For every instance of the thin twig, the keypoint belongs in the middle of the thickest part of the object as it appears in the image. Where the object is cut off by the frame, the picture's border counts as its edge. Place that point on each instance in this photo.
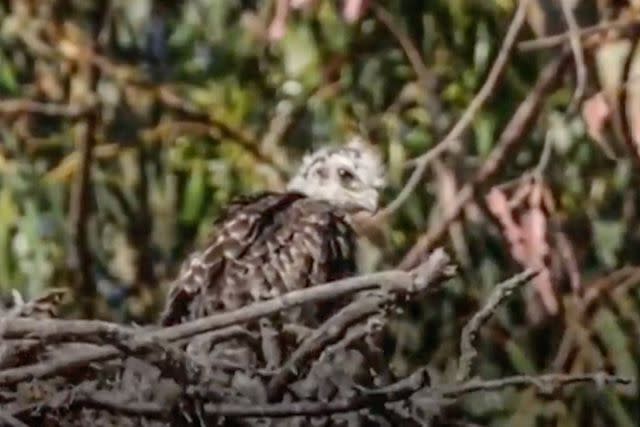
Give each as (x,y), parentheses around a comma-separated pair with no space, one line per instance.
(142,225)
(543,383)
(468,351)
(418,380)
(209,339)
(578,54)
(80,211)
(558,39)
(543,162)
(110,402)
(54,330)
(511,136)
(427,80)
(354,334)
(405,42)
(27,106)
(488,88)
(276,131)
(170,98)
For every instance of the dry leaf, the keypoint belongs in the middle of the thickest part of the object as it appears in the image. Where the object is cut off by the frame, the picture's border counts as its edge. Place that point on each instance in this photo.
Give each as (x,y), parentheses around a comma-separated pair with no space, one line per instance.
(632,107)
(527,235)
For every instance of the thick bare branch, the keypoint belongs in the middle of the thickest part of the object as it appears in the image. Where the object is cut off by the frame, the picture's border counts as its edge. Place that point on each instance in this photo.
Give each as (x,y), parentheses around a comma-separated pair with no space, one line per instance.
(331,331)
(543,383)
(393,281)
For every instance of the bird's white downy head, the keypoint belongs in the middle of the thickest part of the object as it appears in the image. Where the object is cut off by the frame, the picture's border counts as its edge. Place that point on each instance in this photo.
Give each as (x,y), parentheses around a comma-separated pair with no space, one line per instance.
(349,176)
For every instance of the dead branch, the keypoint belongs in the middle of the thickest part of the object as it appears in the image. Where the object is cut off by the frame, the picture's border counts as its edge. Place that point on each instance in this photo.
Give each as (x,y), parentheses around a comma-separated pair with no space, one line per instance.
(394,282)
(578,54)
(468,351)
(332,330)
(12,107)
(559,39)
(546,384)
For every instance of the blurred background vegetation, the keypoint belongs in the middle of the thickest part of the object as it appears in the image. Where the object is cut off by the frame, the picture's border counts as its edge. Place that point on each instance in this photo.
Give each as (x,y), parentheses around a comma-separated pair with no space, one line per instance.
(125,127)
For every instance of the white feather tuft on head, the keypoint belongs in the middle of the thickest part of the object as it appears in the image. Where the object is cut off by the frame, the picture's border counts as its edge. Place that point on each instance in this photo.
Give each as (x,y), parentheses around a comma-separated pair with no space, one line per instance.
(350,175)
(367,157)
(364,155)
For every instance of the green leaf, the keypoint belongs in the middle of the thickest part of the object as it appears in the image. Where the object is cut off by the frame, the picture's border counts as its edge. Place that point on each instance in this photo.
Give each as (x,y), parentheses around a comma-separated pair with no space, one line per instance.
(608,237)
(615,342)
(617,411)
(194,195)
(300,55)
(335,32)
(8,215)
(519,358)
(484,127)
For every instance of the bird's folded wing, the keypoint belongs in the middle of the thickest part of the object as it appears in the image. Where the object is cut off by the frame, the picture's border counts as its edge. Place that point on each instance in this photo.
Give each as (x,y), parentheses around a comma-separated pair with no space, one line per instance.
(234,233)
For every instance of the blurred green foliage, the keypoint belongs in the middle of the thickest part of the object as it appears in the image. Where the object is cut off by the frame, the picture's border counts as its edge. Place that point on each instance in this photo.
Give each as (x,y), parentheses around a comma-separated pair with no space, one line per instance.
(196,105)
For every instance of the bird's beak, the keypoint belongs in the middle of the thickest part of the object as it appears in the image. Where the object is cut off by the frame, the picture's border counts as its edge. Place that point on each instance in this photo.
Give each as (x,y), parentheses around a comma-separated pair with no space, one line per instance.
(370,204)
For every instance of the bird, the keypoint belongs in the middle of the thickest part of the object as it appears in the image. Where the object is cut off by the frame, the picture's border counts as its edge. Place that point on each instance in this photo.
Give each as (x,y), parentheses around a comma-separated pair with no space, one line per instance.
(266,244)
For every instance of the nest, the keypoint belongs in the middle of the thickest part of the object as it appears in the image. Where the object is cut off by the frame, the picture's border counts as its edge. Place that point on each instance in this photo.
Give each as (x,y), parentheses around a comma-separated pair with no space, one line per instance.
(243,367)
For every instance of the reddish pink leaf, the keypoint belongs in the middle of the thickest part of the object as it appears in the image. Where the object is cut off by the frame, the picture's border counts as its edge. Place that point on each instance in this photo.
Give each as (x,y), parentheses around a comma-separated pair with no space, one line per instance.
(278,26)
(353,10)
(499,206)
(301,4)
(595,113)
(534,226)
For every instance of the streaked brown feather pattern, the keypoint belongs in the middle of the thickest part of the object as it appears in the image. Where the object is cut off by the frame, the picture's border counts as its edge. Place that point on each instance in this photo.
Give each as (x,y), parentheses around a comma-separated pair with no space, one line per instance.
(263,246)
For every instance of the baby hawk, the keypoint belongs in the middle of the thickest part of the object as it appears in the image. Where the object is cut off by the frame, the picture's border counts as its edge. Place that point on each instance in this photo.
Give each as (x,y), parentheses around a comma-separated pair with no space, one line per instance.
(268,244)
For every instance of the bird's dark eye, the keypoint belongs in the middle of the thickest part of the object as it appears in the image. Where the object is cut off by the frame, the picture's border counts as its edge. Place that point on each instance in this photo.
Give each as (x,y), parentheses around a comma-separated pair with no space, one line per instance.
(321,173)
(346,176)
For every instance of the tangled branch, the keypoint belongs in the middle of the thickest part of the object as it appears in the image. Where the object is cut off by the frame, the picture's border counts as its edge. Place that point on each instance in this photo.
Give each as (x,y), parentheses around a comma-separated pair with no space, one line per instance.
(166,379)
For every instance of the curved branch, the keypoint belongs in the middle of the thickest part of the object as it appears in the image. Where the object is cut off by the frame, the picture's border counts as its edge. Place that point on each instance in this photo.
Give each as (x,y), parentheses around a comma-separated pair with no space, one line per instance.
(488,88)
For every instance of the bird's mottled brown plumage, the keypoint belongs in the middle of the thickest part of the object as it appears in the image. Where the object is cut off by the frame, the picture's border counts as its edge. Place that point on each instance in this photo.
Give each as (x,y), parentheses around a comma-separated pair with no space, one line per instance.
(263,246)
(272,243)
